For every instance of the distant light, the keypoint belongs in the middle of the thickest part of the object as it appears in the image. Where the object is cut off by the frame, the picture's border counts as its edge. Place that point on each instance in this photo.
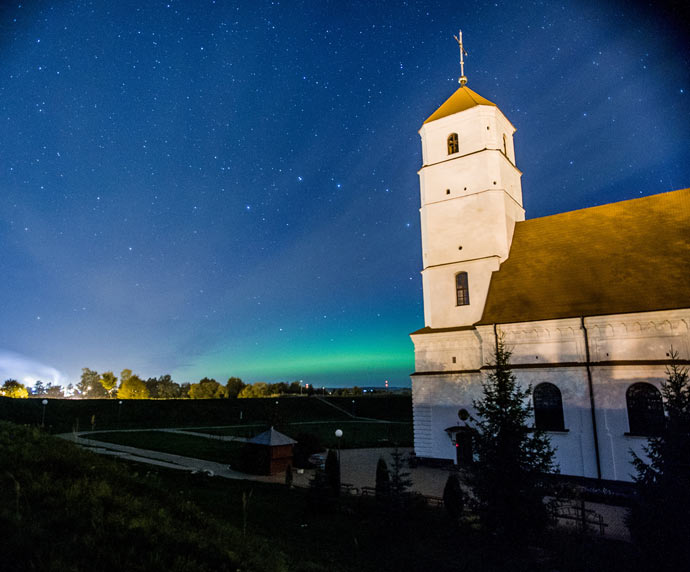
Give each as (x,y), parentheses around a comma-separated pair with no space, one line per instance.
(338,433)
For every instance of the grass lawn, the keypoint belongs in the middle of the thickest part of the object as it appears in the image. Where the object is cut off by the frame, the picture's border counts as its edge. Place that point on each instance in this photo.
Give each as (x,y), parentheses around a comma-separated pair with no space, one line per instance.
(356,434)
(226,452)
(65,415)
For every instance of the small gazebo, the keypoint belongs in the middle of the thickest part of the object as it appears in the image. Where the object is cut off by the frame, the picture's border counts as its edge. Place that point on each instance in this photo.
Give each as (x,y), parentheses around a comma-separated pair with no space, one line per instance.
(270,452)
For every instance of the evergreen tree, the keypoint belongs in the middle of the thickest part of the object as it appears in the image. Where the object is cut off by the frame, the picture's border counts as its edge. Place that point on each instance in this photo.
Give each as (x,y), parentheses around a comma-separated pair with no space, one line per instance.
(400,481)
(453,498)
(383,480)
(333,472)
(659,521)
(511,457)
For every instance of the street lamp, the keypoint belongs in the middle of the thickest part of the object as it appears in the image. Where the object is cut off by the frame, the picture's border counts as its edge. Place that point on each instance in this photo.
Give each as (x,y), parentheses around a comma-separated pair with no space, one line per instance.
(119,410)
(338,434)
(43,417)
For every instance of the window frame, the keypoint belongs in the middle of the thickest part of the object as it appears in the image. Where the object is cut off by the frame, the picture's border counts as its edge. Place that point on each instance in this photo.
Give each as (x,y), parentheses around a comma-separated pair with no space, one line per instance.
(462,289)
(453,144)
(646,415)
(548,408)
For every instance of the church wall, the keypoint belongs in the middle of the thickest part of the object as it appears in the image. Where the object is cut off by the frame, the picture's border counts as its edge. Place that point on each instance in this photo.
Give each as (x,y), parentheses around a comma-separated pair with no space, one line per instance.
(553,351)
(467,175)
(471,126)
(610,386)
(435,403)
(481,233)
(440,298)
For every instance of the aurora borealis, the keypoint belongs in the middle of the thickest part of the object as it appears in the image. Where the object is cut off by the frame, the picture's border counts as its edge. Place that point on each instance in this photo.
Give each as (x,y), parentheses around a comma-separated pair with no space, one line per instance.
(229,188)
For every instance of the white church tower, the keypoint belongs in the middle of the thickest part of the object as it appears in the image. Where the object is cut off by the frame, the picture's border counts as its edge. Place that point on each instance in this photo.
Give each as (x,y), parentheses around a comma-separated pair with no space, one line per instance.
(471,198)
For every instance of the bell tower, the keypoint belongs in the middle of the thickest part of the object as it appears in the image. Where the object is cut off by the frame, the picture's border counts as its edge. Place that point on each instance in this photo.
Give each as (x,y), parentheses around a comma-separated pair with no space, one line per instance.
(471,198)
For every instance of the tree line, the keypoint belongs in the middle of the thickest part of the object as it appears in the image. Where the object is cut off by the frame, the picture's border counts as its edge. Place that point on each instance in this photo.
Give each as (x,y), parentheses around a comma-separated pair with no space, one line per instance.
(94,385)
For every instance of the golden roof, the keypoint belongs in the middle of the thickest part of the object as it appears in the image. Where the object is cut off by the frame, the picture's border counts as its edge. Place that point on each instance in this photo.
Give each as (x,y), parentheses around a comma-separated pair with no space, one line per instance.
(464,98)
(630,256)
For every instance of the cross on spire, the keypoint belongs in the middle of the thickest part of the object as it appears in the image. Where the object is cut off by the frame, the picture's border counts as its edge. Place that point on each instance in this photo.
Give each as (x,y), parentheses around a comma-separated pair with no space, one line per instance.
(458,39)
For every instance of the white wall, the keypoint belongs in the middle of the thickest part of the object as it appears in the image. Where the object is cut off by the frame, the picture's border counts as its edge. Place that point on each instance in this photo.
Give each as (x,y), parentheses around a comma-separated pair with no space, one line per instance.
(552,351)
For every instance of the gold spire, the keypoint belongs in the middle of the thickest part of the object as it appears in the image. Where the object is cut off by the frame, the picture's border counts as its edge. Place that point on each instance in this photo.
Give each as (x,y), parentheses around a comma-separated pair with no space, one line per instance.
(458,39)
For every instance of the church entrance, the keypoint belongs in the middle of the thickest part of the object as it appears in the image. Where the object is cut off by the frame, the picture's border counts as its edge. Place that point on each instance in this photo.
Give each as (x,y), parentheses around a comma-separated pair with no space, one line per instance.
(463,447)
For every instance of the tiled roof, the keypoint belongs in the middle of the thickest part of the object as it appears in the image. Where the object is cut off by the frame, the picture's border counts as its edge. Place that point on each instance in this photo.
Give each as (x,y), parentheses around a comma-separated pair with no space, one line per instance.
(630,256)
(272,438)
(462,99)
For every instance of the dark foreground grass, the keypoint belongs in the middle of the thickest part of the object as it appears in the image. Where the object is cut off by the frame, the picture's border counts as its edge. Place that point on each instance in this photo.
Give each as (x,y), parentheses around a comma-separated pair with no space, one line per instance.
(357,533)
(226,452)
(356,434)
(65,509)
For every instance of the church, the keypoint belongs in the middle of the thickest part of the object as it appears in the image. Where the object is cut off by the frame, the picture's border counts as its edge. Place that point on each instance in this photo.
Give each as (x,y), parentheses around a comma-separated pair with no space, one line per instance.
(590,302)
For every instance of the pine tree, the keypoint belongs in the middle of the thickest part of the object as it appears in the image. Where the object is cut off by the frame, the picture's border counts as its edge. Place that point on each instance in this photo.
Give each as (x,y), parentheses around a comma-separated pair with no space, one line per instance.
(511,457)
(453,498)
(383,480)
(333,472)
(659,521)
(400,481)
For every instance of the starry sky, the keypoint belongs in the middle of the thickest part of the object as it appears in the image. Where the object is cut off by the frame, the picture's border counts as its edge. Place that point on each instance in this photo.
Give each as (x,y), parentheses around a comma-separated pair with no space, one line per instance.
(211,188)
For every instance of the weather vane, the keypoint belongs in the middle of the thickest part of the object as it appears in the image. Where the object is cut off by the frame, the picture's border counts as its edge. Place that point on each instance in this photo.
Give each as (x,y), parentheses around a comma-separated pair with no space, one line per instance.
(458,39)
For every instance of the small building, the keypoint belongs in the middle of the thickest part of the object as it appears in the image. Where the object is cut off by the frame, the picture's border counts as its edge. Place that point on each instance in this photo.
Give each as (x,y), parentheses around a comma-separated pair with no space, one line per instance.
(269,453)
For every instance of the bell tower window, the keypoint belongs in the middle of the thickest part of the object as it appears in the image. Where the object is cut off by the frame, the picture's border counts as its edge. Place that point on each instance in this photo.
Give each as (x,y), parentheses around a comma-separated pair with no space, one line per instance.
(462,289)
(452,143)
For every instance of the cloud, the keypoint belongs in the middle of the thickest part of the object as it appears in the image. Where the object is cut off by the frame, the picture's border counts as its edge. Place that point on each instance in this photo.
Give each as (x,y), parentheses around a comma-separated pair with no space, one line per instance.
(28,370)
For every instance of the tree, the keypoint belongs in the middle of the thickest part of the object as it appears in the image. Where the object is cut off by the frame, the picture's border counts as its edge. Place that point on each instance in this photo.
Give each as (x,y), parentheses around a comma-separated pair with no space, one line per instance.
(234,386)
(132,388)
(400,481)
(54,391)
(39,388)
(89,385)
(453,499)
(207,389)
(333,472)
(510,456)
(258,389)
(12,388)
(109,382)
(658,519)
(167,388)
(383,479)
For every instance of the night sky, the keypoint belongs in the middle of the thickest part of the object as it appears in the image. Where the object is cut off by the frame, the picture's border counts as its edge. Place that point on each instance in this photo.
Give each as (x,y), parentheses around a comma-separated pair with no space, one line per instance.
(230,188)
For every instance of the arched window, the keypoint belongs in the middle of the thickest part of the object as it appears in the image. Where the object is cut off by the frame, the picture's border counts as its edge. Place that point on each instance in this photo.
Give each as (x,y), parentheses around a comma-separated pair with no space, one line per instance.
(645,409)
(548,407)
(462,289)
(452,143)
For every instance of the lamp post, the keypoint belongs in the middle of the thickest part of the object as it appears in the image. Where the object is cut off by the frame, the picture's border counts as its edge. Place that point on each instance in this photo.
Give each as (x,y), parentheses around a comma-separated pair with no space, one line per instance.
(353,407)
(43,417)
(300,386)
(119,410)
(339,434)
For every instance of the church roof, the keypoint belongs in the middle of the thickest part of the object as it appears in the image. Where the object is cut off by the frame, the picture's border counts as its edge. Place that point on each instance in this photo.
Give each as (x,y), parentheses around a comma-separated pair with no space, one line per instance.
(464,98)
(630,256)
(272,438)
